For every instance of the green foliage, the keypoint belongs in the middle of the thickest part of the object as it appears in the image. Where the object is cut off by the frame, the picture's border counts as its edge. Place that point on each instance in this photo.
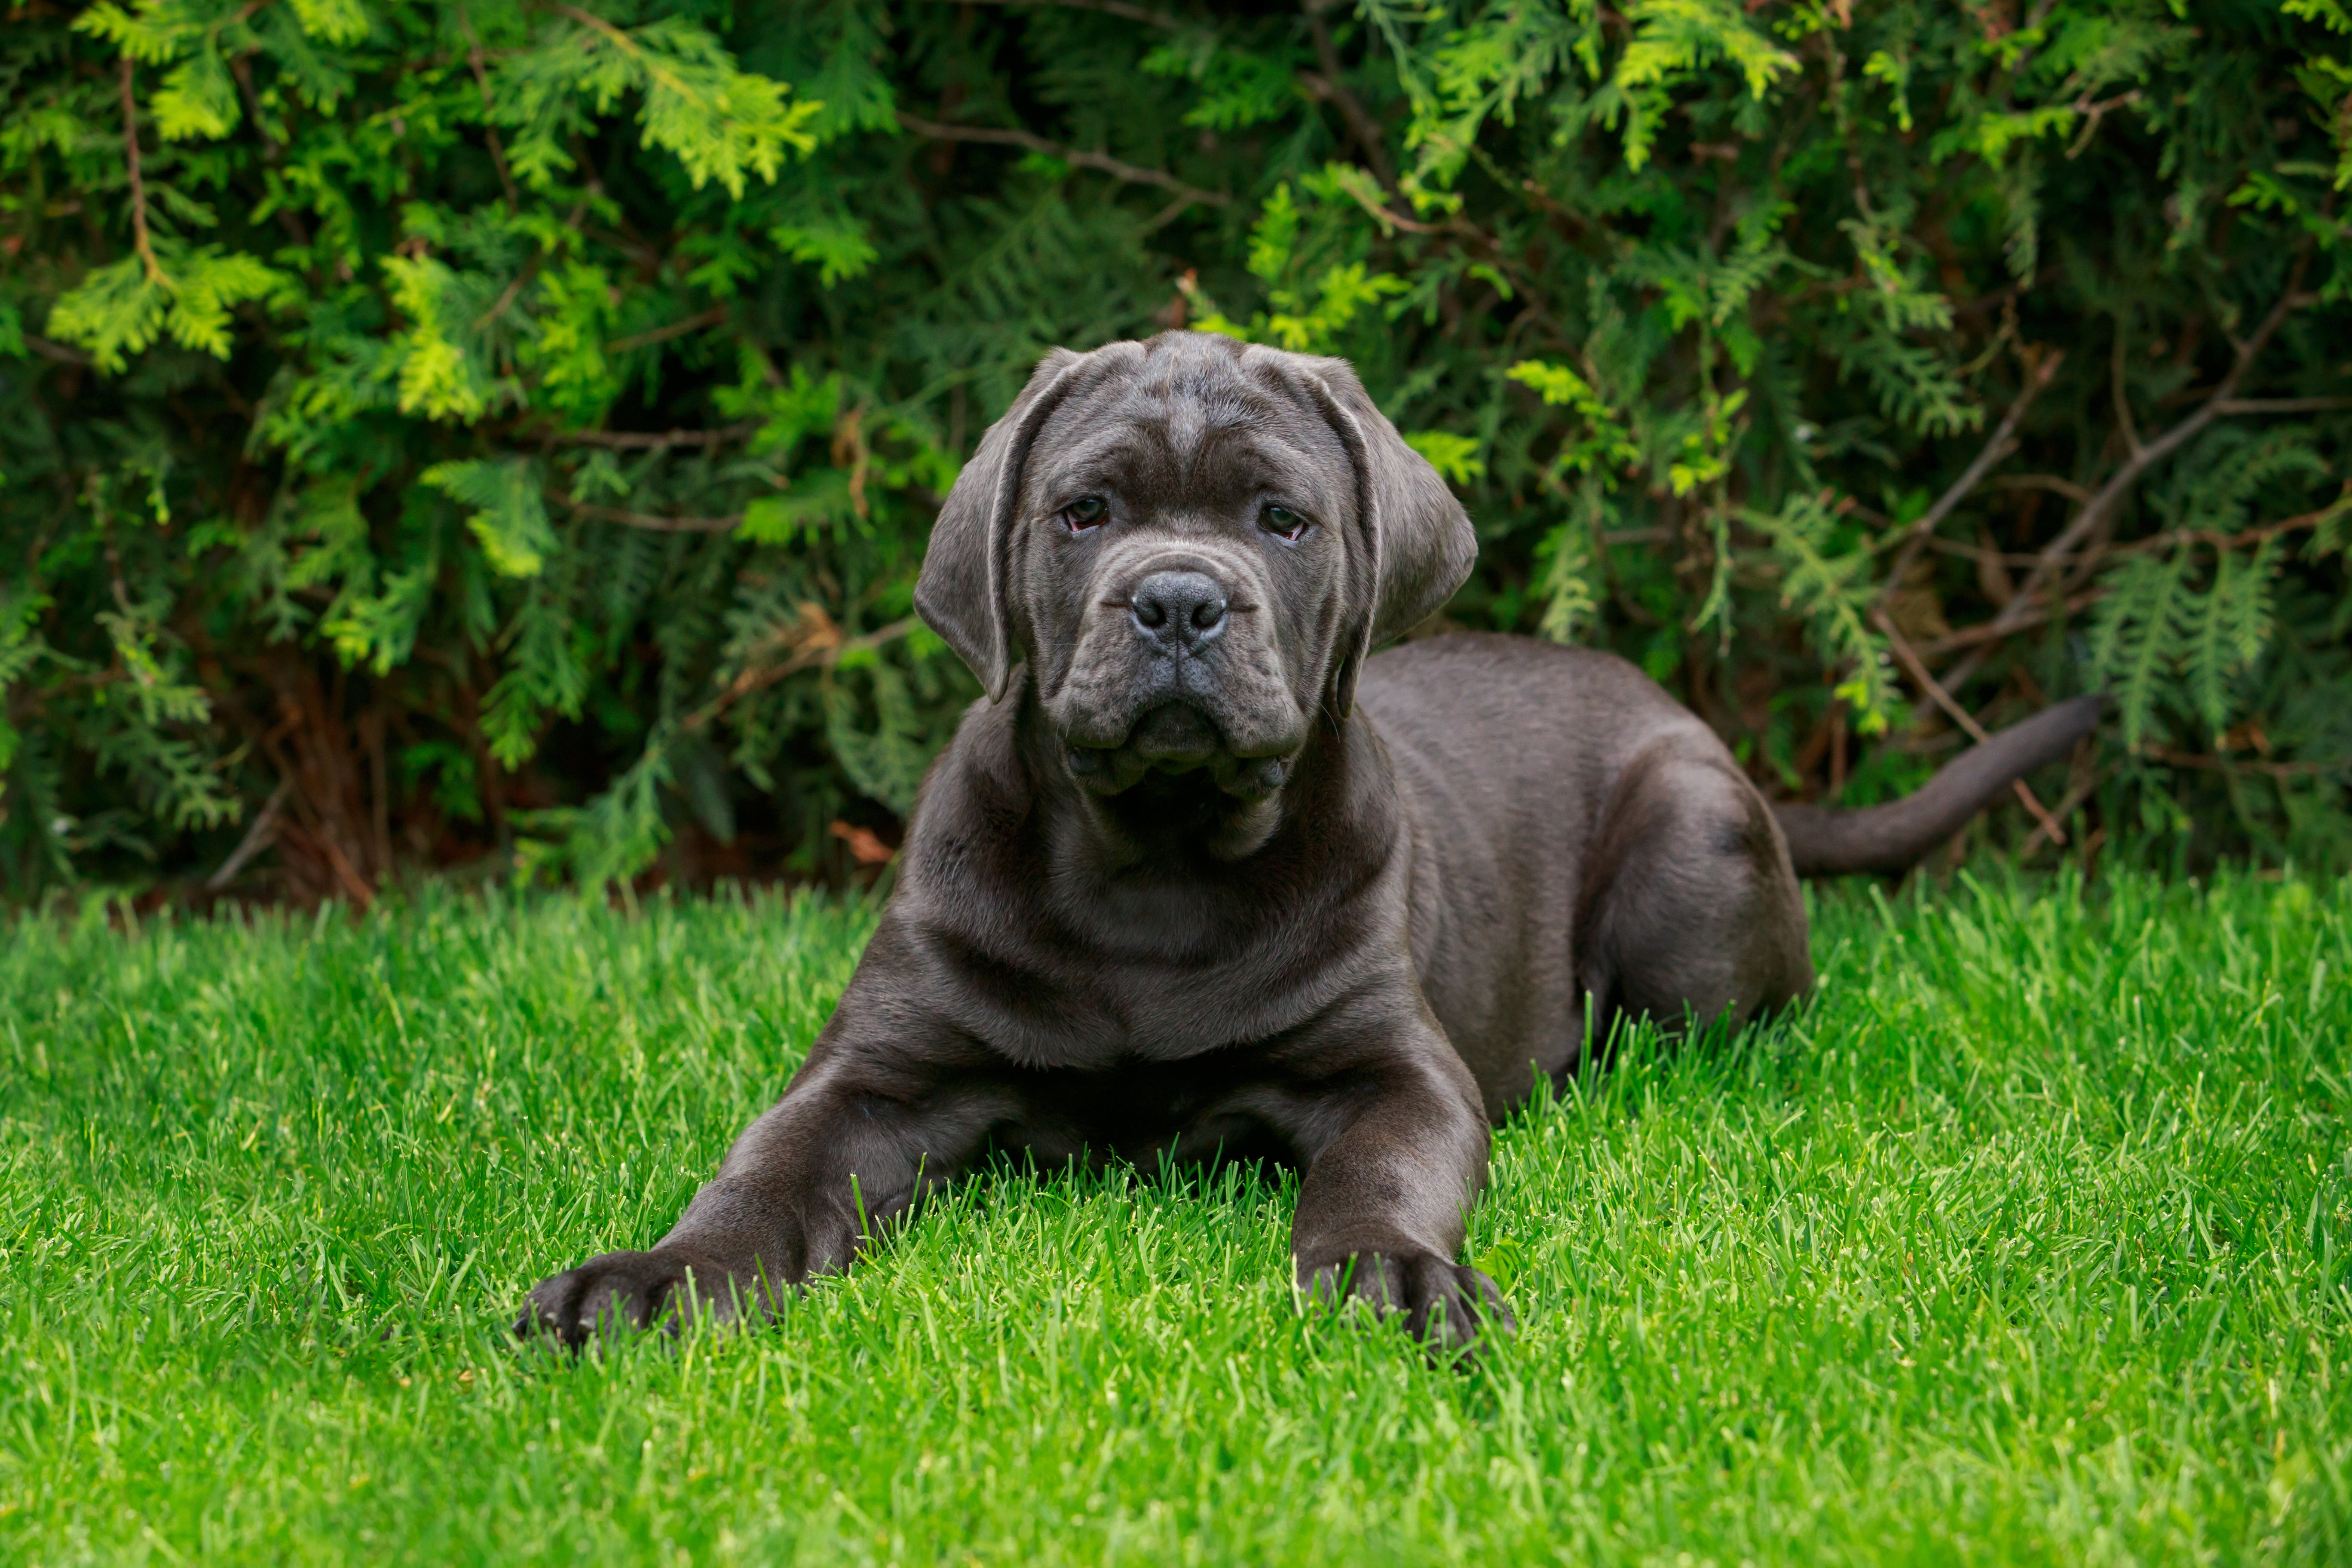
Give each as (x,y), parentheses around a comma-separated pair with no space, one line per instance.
(723,123)
(514,427)
(186,295)
(512,524)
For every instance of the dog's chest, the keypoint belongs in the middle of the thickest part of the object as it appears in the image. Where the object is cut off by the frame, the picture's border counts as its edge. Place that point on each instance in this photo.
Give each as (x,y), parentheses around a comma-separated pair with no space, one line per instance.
(1142,1112)
(1097,1017)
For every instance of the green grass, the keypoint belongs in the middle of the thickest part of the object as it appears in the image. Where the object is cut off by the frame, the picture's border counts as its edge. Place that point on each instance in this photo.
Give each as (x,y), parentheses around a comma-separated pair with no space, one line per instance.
(2025,1243)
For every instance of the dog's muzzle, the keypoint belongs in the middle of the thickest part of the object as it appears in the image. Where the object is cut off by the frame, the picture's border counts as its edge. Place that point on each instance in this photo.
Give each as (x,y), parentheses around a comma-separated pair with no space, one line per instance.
(1180,684)
(1176,738)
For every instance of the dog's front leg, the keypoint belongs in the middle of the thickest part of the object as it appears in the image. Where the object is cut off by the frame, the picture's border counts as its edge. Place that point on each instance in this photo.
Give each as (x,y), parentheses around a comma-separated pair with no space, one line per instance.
(1396,1152)
(844,1150)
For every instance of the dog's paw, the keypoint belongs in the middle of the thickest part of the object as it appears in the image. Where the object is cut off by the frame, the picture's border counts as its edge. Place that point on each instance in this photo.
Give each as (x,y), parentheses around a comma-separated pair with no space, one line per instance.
(620,1290)
(1450,1307)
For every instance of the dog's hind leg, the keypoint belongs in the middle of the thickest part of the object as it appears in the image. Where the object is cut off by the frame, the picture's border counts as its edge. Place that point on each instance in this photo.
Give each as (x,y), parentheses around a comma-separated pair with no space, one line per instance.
(1692,912)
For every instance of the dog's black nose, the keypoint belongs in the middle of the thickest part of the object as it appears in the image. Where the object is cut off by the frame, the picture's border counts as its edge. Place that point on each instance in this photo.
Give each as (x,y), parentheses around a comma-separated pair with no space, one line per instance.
(1178,607)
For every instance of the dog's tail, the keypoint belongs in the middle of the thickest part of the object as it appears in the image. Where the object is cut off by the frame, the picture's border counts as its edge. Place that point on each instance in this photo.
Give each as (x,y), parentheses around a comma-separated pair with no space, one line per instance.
(1893,837)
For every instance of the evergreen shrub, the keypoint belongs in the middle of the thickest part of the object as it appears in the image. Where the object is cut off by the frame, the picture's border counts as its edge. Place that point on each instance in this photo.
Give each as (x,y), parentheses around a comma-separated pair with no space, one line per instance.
(505,433)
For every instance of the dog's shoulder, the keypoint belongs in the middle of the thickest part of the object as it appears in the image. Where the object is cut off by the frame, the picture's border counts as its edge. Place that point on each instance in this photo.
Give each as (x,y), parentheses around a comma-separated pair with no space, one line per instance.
(975,799)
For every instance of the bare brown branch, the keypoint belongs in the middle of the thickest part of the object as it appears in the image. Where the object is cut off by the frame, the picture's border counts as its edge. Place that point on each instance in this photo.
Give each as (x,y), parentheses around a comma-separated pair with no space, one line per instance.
(2103,504)
(651,522)
(1918,671)
(2079,791)
(2215,764)
(655,441)
(2112,493)
(1144,14)
(512,292)
(257,839)
(1131,173)
(2285,404)
(713,317)
(490,132)
(2238,540)
(140,240)
(57,351)
(2165,540)
(1993,632)
(2078,494)
(2003,444)
(2123,394)
(821,643)
(1331,88)
(2093,112)
(1388,219)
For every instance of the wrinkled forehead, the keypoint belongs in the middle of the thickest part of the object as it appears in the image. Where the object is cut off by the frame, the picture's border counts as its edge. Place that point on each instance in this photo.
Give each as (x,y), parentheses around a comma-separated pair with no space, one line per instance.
(1192,430)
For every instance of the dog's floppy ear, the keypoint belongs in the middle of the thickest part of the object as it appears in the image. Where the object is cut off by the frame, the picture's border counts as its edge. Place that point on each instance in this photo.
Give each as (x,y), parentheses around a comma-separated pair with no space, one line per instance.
(962,590)
(1419,543)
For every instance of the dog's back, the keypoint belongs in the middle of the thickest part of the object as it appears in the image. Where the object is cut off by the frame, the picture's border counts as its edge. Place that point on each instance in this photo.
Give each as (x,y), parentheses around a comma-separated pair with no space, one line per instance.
(1570,717)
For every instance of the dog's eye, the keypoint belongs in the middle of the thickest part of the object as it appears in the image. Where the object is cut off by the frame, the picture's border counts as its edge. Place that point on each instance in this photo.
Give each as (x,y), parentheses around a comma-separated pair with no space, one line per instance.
(1085,513)
(1283,522)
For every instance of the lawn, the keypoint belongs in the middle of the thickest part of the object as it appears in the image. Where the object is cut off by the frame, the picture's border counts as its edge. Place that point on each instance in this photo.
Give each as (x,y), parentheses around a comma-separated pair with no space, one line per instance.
(2025,1243)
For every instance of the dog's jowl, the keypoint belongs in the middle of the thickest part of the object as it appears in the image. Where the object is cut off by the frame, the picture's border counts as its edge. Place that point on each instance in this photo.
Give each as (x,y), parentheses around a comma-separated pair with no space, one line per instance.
(1202,872)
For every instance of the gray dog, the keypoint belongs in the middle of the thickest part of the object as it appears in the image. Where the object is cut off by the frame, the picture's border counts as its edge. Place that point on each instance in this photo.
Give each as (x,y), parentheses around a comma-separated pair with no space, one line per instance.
(1202,875)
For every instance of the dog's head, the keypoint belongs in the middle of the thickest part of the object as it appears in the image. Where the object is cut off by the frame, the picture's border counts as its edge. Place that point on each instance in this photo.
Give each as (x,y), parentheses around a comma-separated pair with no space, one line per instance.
(1196,542)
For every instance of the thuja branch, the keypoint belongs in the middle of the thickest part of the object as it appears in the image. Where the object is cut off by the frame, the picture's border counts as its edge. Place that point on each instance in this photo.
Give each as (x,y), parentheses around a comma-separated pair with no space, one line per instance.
(629,46)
